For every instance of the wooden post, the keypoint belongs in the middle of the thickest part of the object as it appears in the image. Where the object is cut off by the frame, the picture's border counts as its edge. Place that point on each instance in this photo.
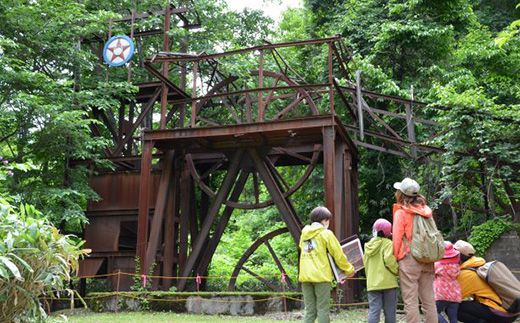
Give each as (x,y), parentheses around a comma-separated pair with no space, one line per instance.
(359,105)
(194,95)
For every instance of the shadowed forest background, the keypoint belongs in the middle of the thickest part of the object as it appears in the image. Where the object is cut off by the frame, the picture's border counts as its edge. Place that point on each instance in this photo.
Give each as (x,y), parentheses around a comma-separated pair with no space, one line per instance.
(460,54)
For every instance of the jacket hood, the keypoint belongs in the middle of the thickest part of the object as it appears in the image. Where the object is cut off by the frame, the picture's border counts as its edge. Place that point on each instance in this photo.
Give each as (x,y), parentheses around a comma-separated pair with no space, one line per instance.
(372,247)
(473,262)
(310,231)
(422,210)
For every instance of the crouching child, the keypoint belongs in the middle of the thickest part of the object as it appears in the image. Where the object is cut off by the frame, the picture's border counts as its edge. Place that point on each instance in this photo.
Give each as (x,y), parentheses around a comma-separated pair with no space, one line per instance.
(315,272)
(382,270)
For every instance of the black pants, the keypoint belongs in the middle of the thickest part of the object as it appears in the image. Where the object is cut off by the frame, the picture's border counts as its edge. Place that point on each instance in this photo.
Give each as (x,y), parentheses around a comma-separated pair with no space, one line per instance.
(475,312)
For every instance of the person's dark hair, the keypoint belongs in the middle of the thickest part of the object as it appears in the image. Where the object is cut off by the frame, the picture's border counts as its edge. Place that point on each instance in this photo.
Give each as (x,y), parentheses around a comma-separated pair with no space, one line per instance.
(464,258)
(406,200)
(381,234)
(320,213)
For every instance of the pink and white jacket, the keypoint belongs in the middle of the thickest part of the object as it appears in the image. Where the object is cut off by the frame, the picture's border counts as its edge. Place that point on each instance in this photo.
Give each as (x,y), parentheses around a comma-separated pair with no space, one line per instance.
(445,284)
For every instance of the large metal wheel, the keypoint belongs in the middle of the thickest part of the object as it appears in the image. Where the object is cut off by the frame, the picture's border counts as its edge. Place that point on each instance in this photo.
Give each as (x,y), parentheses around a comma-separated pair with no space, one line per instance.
(240,266)
(254,186)
(225,105)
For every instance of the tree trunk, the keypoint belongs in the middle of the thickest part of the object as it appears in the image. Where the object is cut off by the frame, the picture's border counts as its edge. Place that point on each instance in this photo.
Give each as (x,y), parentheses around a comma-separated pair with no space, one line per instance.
(515,203)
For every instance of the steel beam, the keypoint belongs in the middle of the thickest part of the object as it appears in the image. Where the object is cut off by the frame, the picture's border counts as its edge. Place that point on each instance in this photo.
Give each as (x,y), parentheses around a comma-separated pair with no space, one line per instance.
(185,212)
(160,207)
(169,235)
(222,224)
(144,191)
(329,146)
(164,56)
(144,112)
(222,194)
(286,210)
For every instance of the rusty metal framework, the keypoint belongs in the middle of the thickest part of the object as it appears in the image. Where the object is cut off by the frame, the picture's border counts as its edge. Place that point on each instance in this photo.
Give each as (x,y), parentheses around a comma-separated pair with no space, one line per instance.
(223,139)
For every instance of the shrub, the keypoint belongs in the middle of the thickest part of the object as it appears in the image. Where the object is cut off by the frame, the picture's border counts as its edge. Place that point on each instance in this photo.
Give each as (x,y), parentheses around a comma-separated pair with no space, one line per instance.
(482,236)
(35,260)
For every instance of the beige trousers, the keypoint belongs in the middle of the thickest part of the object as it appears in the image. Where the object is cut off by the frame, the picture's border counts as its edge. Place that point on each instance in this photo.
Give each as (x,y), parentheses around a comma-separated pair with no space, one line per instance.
(416,280)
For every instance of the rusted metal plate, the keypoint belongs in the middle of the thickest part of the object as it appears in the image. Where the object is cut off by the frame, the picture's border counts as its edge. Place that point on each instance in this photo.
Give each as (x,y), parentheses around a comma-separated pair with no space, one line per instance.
(102,234)
(89,267)
(119,191)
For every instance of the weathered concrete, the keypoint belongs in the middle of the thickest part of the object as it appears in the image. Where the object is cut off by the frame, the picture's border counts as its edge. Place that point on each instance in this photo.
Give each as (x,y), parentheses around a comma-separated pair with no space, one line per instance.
(206,303)
(234,305)
(507,250)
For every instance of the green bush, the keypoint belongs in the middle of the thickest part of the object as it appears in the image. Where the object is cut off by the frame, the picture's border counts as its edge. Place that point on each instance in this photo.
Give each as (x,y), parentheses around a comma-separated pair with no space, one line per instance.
(482,236)
(35,261)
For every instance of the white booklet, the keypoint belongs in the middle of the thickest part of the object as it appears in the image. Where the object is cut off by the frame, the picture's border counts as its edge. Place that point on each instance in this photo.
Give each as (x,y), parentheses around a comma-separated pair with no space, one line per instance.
(354,253)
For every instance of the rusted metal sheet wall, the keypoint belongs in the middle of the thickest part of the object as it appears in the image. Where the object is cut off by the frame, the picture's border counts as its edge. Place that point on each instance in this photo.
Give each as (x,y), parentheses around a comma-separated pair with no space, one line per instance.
(119,191)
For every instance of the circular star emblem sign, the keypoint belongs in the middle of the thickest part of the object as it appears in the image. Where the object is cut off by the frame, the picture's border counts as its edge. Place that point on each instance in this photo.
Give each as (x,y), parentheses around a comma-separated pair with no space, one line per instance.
(118,50)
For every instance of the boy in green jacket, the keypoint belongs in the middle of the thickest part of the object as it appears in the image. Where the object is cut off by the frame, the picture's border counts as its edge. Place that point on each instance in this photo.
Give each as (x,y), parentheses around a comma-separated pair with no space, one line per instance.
(382,269)
(315,271)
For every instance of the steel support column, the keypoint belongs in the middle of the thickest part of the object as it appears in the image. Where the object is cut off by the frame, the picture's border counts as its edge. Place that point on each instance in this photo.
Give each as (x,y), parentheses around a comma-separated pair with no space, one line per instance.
(329,156)
(286,210)
(222,194)
(144,192)
(160,207)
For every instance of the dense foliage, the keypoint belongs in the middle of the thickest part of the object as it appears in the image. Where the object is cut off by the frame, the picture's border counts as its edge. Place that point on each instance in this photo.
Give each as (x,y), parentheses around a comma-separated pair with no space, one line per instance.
(35,260)
(461,56)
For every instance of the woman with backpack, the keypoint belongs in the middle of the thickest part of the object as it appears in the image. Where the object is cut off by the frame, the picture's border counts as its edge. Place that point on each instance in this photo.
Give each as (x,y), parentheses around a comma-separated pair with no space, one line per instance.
(486,304)
(416,278)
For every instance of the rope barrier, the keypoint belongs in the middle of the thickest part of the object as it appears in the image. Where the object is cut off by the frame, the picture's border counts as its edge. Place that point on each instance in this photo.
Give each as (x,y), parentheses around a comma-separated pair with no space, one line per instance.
(197,277)
(214,300)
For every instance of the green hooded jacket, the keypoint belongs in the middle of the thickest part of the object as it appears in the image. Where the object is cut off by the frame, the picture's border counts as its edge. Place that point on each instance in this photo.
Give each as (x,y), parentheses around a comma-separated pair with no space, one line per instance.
(381,266)
(315,242)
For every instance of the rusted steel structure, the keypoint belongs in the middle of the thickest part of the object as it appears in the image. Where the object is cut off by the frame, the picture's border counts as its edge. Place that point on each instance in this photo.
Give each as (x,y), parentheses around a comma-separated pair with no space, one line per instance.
(221,141)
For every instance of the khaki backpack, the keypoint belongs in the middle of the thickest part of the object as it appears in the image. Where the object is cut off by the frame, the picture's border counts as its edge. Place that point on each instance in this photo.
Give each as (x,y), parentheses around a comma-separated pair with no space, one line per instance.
(427,244)
(503,282)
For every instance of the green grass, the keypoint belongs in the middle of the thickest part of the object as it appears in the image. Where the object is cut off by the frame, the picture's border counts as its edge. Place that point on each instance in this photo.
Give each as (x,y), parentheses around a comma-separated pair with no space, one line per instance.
(352,316)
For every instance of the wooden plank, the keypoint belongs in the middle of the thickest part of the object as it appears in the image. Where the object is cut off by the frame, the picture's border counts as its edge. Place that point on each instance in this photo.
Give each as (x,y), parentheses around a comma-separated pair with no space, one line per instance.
(160,207)
(222,194)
